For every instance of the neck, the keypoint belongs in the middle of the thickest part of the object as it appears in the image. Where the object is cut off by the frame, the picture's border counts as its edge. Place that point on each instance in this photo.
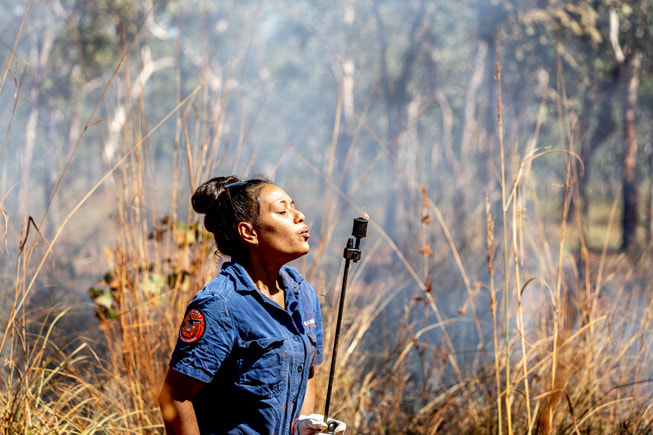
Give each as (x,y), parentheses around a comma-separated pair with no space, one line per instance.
(265,276)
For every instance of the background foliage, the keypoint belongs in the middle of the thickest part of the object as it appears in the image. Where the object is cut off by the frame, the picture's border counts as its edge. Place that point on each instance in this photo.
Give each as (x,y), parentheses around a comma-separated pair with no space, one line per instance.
(502,150)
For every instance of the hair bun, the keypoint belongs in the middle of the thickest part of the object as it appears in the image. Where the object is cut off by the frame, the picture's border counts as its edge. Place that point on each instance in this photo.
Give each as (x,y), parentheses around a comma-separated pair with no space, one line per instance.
(208,192)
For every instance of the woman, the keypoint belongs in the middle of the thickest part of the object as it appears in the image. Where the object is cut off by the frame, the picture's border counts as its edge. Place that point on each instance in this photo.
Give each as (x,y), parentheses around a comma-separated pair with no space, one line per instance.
(250,340)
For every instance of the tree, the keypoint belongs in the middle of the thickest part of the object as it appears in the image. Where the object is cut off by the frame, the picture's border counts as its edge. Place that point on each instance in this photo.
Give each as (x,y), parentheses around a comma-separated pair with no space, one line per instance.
(629,59)
(602,47)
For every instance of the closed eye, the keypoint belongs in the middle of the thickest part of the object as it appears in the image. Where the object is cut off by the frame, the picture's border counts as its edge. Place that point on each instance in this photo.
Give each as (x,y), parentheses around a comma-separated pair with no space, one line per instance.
(283,206)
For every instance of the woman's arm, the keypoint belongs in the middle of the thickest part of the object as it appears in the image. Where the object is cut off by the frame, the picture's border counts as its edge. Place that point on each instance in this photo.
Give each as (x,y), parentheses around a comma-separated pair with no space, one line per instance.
(175,403)
(308,407)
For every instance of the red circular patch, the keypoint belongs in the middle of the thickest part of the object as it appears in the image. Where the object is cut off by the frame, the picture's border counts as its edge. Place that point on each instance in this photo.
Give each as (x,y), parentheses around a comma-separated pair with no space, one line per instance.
(192,327)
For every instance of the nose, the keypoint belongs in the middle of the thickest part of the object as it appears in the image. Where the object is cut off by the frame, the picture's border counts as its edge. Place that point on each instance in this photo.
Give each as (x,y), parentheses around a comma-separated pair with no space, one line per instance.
(299,216)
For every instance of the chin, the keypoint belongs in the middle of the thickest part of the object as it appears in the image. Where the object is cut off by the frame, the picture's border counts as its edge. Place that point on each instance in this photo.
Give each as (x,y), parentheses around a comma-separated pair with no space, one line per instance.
(302,252)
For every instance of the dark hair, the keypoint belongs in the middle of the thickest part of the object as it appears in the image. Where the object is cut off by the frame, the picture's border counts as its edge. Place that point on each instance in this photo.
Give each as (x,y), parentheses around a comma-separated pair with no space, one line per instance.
(225,202)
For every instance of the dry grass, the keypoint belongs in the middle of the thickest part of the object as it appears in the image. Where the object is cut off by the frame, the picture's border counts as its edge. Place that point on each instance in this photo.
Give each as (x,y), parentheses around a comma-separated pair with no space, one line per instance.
(555,338)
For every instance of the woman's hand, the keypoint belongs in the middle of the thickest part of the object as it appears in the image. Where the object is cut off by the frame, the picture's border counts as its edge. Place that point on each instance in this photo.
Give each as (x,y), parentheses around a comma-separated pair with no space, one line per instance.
(175,403)
(309,424)
(314,423)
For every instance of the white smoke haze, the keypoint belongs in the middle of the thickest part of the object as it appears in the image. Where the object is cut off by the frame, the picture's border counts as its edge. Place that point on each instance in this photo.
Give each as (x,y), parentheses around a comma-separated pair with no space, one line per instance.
(114,111)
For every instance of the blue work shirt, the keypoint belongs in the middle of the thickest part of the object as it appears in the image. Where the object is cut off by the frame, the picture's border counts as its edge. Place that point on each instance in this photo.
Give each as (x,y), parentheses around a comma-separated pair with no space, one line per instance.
(253,355)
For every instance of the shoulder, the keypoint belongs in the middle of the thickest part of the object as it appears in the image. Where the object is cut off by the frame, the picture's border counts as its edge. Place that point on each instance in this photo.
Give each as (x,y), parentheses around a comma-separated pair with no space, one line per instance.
(210,310)
(214,294)
(298,281)
(294,274)
(303,288)
(224,284)
(218,286)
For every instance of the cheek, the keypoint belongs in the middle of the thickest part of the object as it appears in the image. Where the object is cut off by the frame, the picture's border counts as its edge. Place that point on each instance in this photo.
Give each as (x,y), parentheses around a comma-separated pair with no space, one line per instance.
(272,236)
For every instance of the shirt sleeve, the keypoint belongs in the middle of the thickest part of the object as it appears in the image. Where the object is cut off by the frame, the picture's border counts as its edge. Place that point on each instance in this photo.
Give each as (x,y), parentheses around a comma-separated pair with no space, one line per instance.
(206,337)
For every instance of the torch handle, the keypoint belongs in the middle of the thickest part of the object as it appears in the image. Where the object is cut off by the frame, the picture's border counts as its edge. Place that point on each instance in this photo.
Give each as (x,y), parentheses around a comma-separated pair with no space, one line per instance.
(335,341)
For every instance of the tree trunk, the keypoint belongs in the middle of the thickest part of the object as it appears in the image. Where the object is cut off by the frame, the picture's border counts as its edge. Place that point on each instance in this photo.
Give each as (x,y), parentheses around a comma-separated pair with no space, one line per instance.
(392,130)
(649,202)
(630,79)
(396,95)
(605,126)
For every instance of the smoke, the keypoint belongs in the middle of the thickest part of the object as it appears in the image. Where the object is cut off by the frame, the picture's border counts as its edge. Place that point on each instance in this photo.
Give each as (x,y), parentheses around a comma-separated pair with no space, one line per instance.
(352,107)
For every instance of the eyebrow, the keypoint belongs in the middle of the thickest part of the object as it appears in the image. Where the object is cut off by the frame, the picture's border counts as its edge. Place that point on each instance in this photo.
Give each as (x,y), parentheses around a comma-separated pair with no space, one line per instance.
(284,201)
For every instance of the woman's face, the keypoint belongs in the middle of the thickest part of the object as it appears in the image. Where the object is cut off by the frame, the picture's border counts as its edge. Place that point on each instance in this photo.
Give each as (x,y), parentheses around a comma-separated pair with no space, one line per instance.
(283,236)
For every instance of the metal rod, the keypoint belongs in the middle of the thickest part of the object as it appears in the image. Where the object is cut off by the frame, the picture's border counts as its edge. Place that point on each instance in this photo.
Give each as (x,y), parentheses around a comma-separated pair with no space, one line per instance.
(351,253)
(337,336)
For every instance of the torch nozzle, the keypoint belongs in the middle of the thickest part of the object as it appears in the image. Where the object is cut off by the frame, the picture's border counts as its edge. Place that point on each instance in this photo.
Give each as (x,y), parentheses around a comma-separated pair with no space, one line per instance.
(360,228)
(352,251)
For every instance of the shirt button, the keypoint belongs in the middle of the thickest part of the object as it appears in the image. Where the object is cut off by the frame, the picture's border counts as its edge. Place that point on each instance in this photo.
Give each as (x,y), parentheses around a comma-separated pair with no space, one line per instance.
(296,338)
(299,369)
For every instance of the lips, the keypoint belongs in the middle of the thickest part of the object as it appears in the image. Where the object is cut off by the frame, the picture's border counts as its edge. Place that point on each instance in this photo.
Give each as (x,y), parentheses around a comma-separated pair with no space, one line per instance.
(304,232)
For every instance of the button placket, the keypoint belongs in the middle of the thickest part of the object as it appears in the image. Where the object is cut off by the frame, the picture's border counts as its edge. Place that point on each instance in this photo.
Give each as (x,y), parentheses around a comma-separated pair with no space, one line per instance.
(300,352)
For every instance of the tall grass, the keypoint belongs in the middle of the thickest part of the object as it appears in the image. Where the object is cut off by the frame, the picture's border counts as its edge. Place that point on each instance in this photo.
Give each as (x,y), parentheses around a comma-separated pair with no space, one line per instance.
(568,351)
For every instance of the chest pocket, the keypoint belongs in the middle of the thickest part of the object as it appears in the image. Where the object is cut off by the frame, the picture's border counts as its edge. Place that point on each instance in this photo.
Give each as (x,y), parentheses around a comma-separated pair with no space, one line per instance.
(312,338)
(310,328)
(262,366)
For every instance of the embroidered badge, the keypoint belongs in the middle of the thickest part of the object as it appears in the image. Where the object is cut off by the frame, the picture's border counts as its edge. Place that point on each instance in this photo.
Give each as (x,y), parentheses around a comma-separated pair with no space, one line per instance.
(309,323)
(192,327)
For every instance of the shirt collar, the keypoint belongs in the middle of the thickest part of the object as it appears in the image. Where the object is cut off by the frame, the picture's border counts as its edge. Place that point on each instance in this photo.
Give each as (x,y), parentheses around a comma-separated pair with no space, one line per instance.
(288,281)
(243,282)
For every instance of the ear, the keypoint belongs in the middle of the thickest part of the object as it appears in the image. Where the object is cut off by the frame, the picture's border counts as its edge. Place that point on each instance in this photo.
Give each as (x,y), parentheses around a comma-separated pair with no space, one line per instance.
(247,232)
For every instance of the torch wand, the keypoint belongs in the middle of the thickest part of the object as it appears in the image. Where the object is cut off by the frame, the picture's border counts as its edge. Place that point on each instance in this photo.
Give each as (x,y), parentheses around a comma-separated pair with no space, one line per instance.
(352,253)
